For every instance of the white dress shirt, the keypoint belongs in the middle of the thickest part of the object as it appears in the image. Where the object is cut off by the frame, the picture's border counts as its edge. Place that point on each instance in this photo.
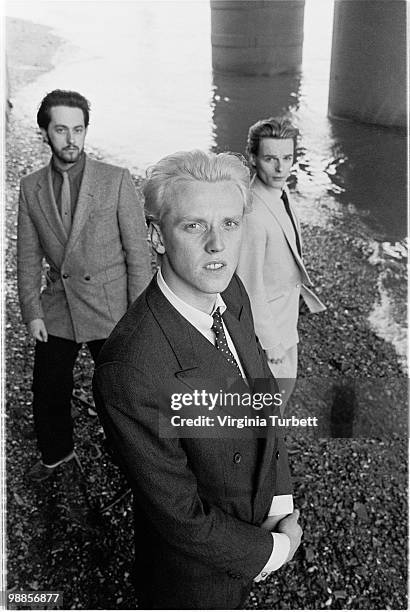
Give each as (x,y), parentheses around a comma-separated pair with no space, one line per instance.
(281,504)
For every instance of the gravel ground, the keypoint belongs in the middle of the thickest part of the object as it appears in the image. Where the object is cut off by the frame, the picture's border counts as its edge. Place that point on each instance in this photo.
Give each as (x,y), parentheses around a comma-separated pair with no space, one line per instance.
(352,493)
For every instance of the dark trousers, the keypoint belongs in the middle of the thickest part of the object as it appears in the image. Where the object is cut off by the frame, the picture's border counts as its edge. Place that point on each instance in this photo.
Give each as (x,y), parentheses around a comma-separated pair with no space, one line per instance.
(52,389)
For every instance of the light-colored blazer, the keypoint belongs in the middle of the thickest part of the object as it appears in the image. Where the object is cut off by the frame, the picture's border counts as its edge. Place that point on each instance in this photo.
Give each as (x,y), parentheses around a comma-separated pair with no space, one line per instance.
(272,270)
(97,271)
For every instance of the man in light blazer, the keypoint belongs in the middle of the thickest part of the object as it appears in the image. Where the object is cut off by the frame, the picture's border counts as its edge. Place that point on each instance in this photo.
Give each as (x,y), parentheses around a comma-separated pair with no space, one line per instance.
(211,513)
(82,218)
(270,263)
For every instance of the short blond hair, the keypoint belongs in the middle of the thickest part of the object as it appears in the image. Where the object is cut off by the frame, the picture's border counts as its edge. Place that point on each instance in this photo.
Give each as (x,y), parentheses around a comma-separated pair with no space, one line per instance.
(192,166)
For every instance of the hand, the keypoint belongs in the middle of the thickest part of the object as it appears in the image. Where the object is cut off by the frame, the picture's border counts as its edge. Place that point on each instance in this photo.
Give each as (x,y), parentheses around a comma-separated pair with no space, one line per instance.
(37,329)
(276,354)
(290,526)
(271,522)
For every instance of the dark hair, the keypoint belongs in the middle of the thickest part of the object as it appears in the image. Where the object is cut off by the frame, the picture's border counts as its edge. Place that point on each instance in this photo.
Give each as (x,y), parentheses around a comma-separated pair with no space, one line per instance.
(60,97)
(274,127)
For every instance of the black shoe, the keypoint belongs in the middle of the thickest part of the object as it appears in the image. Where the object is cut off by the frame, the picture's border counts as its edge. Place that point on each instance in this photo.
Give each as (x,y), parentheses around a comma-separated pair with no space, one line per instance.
(39,471)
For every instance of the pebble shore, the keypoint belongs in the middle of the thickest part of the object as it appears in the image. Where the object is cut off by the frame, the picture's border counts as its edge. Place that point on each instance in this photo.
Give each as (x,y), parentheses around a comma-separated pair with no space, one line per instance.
(352,492)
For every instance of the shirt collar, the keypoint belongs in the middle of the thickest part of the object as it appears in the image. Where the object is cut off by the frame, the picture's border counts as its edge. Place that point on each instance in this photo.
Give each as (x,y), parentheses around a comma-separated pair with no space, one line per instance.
(75,169)
(274,193)
(201,320)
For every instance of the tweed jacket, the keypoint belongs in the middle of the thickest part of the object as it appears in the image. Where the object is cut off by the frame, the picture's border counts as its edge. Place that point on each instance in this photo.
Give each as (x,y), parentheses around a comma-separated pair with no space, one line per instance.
(97,271)
(199,502)
(273,271)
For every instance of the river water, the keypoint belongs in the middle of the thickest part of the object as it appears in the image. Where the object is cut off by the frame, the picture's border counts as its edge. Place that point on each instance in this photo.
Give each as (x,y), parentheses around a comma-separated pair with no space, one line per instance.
(147,68)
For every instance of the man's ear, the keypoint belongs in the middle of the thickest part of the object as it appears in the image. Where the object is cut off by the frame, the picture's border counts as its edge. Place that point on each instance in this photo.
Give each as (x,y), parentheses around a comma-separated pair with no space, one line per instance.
(44,135)
(155,238)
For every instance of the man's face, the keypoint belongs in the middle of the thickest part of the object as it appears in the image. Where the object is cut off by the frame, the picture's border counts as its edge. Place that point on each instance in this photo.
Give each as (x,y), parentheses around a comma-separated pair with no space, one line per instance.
(200,237)
(274,161)
(66,133)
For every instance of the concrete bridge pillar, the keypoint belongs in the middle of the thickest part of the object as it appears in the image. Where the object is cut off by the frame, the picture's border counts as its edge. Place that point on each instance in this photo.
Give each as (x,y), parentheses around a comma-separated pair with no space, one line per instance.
(257,37)
(368,67)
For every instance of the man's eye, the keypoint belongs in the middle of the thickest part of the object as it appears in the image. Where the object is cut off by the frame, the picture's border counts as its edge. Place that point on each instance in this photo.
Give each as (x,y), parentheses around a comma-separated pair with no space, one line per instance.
(79,131)
(192,227)
(232,224)
(60,130)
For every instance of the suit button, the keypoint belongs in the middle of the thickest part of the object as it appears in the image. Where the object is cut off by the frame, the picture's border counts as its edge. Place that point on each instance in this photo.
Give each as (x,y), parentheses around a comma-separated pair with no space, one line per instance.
(87,277)
(237,458)
(65,275)
(277,455)
(232,574)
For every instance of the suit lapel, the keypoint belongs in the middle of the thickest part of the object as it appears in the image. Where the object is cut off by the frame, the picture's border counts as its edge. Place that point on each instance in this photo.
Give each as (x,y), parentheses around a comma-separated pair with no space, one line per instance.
(46,202)
(173,327)
(196,356)
(282,218)
(200,362)
(85,203)
(243,337)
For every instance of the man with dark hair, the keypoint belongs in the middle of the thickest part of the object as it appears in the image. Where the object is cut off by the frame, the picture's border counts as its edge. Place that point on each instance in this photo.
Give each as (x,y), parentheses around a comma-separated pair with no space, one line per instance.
(211,514)
(61,97)
(270,264)
(84,219)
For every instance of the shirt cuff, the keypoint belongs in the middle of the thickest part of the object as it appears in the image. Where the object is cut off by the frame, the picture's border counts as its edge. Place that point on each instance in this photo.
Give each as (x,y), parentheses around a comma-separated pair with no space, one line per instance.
(281,504)
(279,554)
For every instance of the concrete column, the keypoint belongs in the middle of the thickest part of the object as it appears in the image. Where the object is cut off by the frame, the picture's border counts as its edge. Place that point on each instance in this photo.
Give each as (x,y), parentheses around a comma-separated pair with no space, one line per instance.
(368,67)
(257,37)
(239,101)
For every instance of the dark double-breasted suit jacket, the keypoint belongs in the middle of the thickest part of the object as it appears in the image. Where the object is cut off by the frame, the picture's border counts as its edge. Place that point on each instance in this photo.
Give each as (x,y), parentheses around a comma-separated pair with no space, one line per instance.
(199,502)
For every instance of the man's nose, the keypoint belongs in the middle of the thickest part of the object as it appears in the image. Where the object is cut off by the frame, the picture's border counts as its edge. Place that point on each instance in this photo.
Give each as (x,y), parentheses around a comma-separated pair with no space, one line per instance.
(215,242)
(278,165)
(70,136)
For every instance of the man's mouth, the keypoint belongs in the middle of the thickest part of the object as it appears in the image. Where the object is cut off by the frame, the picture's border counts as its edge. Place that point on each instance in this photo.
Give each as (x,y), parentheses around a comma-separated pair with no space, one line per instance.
(215,265)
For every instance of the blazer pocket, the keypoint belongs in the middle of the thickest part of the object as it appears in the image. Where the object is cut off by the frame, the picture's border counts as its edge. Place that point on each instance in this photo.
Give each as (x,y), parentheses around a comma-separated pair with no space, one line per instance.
(106,211)
(105,216)
(273,298)
(54,283)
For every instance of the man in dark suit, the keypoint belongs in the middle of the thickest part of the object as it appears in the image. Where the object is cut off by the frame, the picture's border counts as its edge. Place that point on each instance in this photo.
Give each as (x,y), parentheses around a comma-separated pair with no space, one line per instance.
(84,219)
(212,512)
